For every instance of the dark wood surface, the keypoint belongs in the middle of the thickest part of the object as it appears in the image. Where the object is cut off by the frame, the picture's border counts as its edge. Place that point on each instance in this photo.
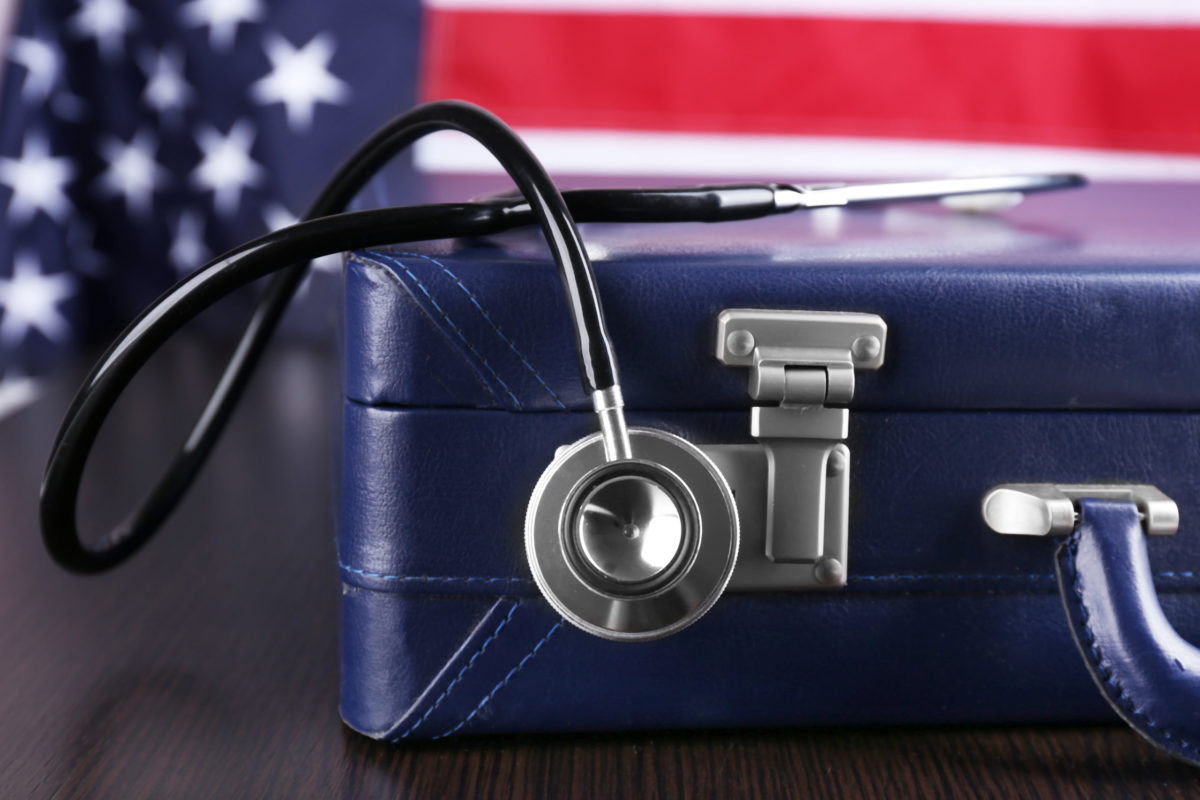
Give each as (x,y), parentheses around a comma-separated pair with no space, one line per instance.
(207,667)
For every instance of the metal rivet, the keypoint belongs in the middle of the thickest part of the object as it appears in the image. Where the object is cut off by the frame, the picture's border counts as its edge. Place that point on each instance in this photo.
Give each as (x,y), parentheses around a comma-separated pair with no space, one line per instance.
(836,464)
(829,571)
(865,348)
(740,343)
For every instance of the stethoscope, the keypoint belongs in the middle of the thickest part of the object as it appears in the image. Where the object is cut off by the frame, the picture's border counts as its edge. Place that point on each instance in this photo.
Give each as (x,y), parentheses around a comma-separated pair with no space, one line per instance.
(630,533)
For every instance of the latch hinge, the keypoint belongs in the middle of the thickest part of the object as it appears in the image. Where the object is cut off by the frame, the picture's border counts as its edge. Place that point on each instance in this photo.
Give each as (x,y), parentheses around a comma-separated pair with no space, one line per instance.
(793,488)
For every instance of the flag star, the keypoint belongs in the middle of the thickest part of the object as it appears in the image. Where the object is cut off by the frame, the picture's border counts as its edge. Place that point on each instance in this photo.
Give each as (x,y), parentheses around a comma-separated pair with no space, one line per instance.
(278,217)
(187,245)
(16,392)
(42,63)
(29,300)
(221,17)
(299,78)
(166,90)
(132,171)
(106,21)
(37,180)
(226,167)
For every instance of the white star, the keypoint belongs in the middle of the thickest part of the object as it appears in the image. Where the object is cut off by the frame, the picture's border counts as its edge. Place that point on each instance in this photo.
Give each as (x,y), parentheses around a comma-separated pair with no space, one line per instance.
(42,63)
(29,300)
(132,171)
(37,180)
(277,217)
(187,245)
(106,21)
(226,167)
(299,78)
(166,91)
(222,18)
(16,392)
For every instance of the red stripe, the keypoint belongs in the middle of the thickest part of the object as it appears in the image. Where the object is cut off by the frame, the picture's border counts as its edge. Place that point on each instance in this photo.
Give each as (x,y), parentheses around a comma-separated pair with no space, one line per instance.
(1121,88)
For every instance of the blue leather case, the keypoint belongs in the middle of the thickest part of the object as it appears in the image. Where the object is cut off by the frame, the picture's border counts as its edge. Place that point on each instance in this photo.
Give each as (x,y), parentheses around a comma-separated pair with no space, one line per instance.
(1016,341)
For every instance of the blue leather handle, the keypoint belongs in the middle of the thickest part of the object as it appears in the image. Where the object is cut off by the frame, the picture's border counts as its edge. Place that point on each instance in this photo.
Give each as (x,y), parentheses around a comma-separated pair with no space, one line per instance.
(1148,673)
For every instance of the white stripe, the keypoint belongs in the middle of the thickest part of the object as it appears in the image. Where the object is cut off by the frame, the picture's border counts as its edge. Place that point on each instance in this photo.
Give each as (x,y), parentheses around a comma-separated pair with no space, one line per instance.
(1048,12)
(789,158)
(16,393)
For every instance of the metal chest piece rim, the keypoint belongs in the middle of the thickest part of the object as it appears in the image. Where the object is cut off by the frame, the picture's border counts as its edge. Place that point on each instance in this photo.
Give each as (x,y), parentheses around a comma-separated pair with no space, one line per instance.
(636,549)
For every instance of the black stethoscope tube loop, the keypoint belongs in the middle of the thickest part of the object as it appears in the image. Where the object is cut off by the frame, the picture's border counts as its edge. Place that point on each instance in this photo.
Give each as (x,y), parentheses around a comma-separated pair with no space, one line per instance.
(129,353)
(288,251)
(298,245)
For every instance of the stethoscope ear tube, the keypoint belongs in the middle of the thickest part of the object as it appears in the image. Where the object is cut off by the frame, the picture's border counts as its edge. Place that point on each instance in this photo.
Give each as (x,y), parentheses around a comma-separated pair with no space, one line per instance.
(325,231)
(286,253)
(146,334)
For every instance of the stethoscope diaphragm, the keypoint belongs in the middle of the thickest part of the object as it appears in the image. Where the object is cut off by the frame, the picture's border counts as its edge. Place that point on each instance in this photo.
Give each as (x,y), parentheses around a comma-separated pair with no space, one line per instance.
(633,549)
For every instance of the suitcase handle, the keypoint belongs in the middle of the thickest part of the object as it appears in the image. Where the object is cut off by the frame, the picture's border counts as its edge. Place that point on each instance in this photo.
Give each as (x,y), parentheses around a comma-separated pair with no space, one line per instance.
(1146,671)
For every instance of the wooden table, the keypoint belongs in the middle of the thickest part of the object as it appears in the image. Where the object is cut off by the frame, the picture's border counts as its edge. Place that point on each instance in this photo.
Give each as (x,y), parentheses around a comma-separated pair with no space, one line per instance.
(207,666)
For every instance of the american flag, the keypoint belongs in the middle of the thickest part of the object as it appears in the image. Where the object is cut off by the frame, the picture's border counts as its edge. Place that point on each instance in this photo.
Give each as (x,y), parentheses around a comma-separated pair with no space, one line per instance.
(138,137)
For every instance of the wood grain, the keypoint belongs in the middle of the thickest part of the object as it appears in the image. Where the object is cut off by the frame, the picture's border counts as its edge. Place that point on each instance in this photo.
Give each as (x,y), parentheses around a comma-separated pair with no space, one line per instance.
(207,667)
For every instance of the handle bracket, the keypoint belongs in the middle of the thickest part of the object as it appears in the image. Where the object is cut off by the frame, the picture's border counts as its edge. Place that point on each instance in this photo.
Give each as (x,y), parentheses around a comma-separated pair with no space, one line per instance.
(1050,509)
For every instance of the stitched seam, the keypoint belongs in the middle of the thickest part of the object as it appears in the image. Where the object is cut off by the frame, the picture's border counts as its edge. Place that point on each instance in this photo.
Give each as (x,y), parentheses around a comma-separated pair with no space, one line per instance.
(381,268)
(1117,691)
(503,682)
(898,577)
(450,687)
(428,578)
(954,577)
(457,330)
(1001,576)
(503,337)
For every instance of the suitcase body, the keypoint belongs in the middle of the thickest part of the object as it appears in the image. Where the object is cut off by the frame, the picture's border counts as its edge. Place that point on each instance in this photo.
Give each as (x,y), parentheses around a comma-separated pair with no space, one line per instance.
(1055,342)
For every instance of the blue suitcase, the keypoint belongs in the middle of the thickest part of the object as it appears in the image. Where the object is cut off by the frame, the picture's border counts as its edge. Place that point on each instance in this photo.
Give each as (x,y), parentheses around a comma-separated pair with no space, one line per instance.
(830,496)
(1011,357)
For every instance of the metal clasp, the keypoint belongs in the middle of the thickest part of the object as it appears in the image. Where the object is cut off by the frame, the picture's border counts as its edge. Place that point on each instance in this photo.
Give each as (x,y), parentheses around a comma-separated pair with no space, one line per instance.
(1049,509)
(793,488)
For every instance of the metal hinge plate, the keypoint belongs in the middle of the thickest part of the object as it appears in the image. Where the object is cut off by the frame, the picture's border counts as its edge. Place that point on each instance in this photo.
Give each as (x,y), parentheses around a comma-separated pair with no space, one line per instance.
(793,488)
(800,357)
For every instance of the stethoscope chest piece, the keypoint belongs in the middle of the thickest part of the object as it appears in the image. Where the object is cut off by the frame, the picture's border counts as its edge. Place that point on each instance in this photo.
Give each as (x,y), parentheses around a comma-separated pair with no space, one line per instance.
(632,549)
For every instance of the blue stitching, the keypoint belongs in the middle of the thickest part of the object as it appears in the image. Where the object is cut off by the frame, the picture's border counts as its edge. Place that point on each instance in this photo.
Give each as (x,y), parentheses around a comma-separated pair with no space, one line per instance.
(449,321)
(483,379)
(963,577)
(1097,659)
(446,692)
(475,301)
(357,259)
(487,699)
(899,577)
(1015,575)
(383,576)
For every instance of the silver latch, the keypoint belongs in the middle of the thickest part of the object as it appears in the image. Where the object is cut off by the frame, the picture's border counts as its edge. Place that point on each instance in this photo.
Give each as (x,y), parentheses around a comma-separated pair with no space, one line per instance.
(1048,509)
(793,488)
(787,351)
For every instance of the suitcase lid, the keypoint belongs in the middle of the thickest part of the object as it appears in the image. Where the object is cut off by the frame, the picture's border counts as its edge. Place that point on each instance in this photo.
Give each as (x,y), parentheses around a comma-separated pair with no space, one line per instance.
(1084,299)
